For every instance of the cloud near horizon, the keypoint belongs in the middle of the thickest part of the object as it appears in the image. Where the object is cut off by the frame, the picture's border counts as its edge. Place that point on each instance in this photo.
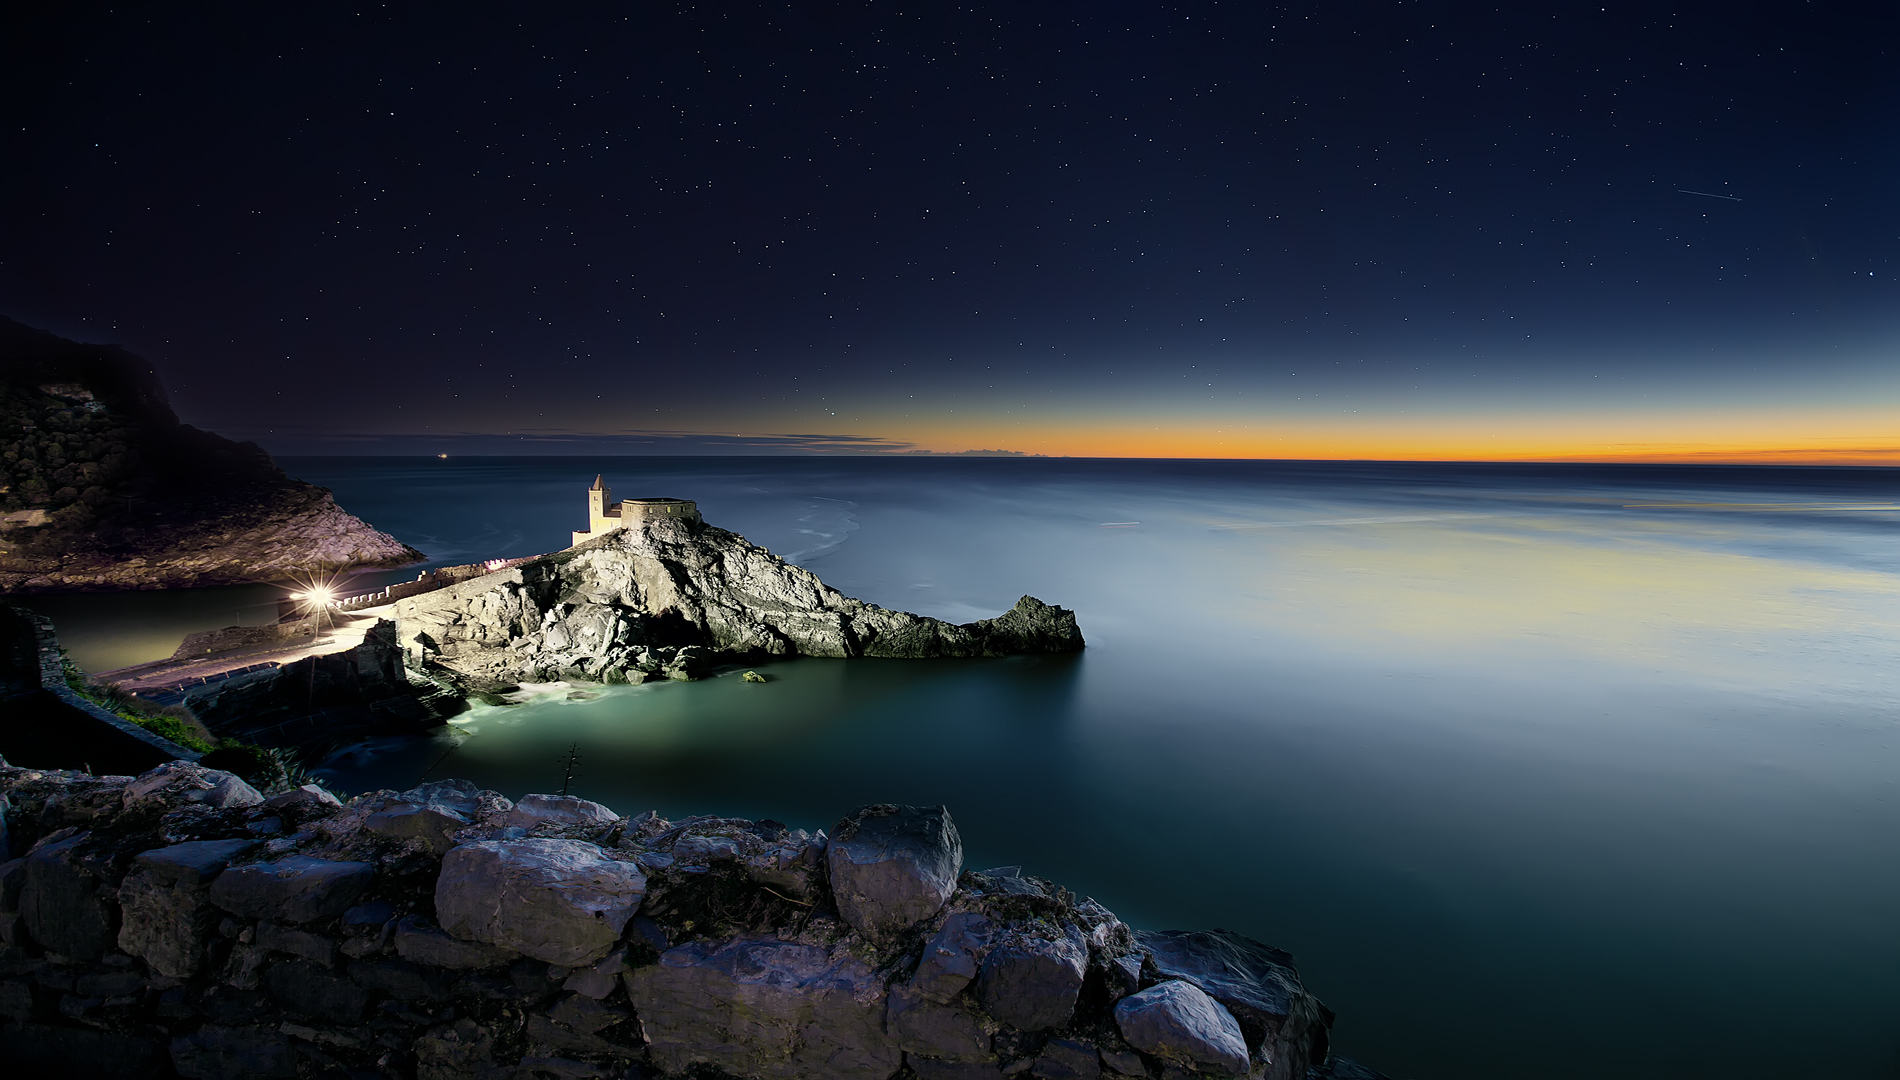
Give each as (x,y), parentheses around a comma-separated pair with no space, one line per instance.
(311,441)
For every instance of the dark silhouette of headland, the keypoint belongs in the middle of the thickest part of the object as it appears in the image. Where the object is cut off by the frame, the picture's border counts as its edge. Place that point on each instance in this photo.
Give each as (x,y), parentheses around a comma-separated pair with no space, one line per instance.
(101,486)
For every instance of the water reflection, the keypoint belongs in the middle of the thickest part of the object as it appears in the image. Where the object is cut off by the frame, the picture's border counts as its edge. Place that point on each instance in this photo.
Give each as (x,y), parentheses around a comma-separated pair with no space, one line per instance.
(1563,772)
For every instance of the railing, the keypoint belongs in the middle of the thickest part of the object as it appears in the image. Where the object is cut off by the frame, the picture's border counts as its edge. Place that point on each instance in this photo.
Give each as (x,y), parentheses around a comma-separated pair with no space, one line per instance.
(427,581)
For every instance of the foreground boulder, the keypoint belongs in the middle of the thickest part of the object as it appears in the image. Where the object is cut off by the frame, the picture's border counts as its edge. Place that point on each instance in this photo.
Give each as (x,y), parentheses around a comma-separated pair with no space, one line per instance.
(893,866)
(294,889)
(63,900)
(184,781)
(561,901)
(760,1007)
(1031,978)
(1254,982)
(299,937)
(1177,1023)
(166,899)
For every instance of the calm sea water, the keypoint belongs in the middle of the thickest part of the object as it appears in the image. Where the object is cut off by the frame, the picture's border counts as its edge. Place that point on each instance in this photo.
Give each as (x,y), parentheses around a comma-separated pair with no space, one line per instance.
(1540,771)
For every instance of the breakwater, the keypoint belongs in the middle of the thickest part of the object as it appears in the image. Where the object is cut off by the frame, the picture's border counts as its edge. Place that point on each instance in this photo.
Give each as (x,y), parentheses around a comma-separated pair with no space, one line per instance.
(182,923)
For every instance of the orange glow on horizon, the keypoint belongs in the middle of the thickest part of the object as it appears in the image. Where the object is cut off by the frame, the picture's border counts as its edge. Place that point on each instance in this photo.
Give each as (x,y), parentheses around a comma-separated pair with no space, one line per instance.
(1685,439)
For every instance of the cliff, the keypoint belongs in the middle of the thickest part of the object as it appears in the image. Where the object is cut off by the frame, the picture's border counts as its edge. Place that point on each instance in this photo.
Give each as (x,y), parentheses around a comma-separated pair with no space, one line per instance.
(666,599)
(181,923)
(103,488)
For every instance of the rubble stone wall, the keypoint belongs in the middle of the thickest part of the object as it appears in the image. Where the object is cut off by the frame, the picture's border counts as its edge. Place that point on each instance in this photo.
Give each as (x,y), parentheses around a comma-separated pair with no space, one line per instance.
(42,719)
(181,923)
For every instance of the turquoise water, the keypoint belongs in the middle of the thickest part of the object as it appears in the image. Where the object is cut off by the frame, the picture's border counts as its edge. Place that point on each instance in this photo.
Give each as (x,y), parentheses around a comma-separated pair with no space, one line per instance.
(1556,772)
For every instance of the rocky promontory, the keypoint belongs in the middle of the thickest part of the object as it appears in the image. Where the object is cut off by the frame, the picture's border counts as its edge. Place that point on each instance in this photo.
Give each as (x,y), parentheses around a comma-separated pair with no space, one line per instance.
(668,598)
(183,923)
(101,487)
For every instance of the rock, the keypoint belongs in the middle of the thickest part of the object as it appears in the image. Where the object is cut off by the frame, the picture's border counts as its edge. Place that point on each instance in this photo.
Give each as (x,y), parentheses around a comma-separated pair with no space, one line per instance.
(671,598)
(690,662)
(702,850)
(532,810)
(1255,982)
(12,881)
(431,824)
(109,984)
(1123,975)
(420,942)
(463,1050)
(316,948)
(309,795)
(168,917)
(218,1052)
(1068,1059)
(752,676)
(932,1069)
(792,866)
(1009,881)
(950,959)
(947,1032)
(760,1007)
(401,979)
(243,968)
(586,1015)
(178,782)
(1031,982)
(523,984)
(545,1035)
(293,889)
(42,1050)
(212,511)
(1176,1022)
(1030,627)
(459,797)
(893,866)
(60,901)
(1123,1061)
(560,901)
(303,987)
(430,813)
(231,1007)
(536,1067)
(599,980)
(357,692)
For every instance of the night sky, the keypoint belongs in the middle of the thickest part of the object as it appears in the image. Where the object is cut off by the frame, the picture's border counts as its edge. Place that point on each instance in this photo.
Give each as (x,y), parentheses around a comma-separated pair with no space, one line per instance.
(1341,230)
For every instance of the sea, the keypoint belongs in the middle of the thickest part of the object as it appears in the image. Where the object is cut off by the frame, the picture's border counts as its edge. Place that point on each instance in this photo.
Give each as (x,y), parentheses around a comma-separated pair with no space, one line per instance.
(1539,770)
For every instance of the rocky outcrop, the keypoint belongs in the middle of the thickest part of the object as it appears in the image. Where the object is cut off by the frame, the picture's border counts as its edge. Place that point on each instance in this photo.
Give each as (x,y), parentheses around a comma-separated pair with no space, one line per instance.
(1177,1022)
(112,492)
(144,931)
(669,598)
(328,700)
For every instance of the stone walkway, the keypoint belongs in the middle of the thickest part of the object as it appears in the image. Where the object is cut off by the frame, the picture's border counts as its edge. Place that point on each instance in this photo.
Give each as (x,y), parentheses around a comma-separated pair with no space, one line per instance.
(167,681)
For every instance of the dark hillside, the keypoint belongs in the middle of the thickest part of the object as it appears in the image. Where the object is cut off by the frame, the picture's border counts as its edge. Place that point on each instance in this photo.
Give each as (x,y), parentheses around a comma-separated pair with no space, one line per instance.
(103,488)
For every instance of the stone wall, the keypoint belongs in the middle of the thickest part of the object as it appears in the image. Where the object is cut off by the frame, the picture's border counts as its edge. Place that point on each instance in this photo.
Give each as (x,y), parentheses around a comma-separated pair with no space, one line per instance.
(241,638)
(181,923)
(426,582)
(42,719)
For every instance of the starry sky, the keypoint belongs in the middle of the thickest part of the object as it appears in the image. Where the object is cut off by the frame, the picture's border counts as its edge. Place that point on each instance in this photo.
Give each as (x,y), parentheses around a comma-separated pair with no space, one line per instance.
(1362,230)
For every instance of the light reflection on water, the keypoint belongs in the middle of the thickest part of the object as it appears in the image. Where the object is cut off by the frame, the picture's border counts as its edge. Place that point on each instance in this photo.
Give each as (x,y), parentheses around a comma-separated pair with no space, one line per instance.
(1533,782)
